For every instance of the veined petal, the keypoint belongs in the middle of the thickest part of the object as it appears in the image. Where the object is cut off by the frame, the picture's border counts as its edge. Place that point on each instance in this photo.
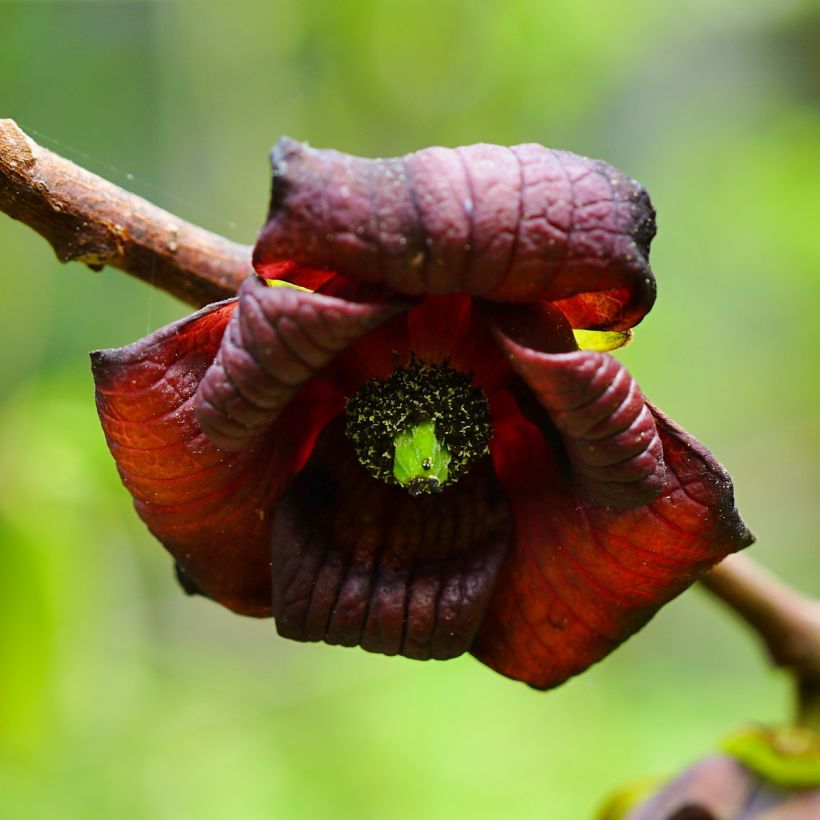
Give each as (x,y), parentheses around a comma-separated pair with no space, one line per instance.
(276,341)
(608,432)
(506,224)
(358,562)
(211,509)
(579,579)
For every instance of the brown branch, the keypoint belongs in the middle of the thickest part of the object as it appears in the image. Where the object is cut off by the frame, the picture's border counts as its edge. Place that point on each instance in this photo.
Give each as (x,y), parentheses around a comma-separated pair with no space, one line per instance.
(88,219)
(787,622)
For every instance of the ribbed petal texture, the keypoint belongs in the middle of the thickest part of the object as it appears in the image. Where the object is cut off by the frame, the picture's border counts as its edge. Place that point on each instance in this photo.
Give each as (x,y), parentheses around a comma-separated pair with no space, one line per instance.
(607,428)
(507,224)
(276,341)
(358,562)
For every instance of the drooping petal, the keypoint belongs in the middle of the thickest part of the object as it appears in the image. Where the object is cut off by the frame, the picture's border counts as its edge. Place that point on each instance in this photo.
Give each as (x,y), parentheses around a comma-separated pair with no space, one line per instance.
(358,562)
(211,509)
(276,341)
(579,578)
(607,429)
(507,224)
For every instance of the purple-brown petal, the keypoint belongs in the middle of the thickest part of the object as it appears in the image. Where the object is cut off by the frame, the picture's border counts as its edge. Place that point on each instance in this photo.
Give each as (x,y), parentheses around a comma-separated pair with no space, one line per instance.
(507,224)
(357,562)
(276,341)
(607,429)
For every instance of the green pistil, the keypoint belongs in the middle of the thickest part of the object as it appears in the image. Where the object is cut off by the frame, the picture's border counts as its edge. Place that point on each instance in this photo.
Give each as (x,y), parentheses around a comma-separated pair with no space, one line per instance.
(422,427)
(421,460)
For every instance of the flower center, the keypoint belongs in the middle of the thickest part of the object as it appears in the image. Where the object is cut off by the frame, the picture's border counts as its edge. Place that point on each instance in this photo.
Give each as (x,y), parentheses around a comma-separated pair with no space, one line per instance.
(422,427)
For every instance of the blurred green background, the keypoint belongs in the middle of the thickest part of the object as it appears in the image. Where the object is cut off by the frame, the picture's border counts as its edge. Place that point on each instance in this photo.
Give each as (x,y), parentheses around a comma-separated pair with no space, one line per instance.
(121,698)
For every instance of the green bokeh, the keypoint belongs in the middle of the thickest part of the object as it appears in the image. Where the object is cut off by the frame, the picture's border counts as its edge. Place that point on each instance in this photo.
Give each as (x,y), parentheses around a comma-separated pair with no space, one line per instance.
(121,698)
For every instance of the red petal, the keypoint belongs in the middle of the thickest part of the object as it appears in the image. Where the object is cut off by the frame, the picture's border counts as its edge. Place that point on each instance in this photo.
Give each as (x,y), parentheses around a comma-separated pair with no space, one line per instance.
(357,562)
(507,224)
(211,509)
(580,579)
(276,341)
(288,271)
(618,309)
(435,329)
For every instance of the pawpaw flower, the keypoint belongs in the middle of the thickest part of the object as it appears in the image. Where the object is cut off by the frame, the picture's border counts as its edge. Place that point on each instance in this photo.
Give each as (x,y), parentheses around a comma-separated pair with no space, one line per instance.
(402,445)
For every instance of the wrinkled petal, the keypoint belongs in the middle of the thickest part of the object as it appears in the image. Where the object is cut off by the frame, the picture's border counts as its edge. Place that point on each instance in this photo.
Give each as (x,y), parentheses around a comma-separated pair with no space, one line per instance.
(276,341)
(607,429)
(358,562)
(579,579)
(506,224)
(211,509)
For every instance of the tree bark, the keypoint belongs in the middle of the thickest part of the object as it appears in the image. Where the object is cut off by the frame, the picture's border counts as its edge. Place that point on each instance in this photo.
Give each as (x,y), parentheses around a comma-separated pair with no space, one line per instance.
(90,220)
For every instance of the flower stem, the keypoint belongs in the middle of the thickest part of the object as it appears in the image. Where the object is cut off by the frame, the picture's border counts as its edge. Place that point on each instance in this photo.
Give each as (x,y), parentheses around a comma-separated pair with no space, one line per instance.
(787,622)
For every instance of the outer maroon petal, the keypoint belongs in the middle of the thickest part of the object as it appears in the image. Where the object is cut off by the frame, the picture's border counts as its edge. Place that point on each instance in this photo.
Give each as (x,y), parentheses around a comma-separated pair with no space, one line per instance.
(580,579)
(276,341)
(211,509)
(507,224)
(358,562)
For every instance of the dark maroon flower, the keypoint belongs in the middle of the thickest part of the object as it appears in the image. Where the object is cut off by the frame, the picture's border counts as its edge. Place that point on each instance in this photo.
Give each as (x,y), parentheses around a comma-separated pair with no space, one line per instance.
(720,788)
(414,456)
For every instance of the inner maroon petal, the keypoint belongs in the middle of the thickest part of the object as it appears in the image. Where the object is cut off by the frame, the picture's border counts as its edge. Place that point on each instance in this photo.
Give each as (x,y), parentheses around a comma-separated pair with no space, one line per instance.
(607,430)
(358,562)
(275,342)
